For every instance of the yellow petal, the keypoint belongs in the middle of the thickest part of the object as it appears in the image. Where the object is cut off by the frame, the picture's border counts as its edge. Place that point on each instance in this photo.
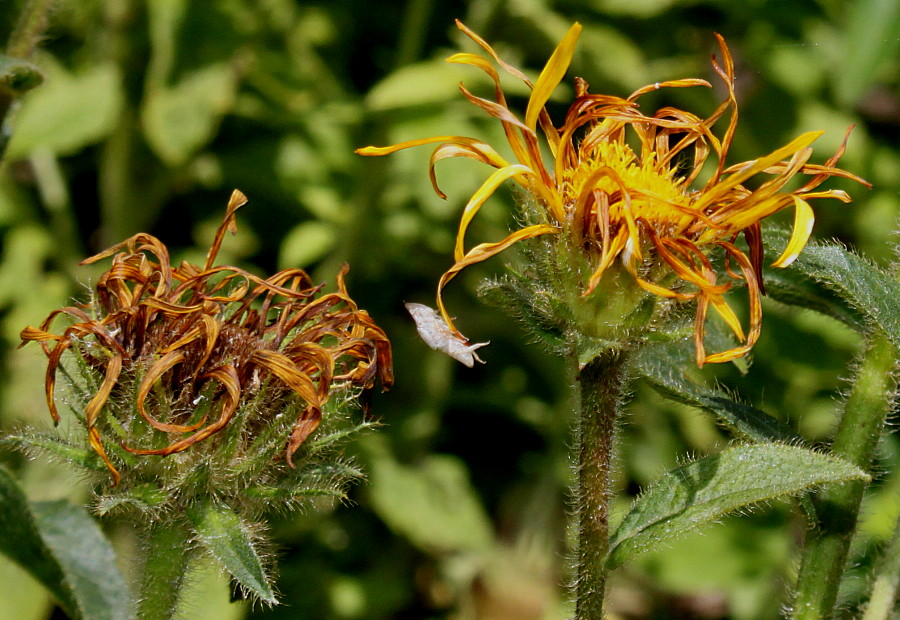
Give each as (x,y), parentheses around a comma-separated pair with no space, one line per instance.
(478,198)
(729,355)
(685,83)
(486,47)
(480,152)
(753,167)
(552,75)
(476,61)
(803,225)
(721,306)
(609,255)
(662,291)
(483,252)
(373,151)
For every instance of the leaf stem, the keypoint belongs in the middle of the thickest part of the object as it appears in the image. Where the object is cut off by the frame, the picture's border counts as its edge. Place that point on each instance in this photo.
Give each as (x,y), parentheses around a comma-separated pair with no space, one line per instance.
(827,545)
(168,551)
(601,383)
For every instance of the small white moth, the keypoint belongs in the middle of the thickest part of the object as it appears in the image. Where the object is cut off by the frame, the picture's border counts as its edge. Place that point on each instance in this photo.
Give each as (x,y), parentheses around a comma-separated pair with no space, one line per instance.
(438,335)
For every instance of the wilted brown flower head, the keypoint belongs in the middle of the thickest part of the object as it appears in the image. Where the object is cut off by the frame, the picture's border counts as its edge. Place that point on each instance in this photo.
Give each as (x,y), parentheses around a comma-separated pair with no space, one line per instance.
(216,334)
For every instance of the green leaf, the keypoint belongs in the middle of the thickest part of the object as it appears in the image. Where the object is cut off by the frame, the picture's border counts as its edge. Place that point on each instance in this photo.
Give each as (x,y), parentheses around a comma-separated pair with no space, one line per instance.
(51,443)
(18,76)
(790,286)
(431,502)
(180,119)
(22,542)
(145,497)
(69,112)
(544,316)
(862,285)
(665,366)
(705,490)
(228,540)
(87,558)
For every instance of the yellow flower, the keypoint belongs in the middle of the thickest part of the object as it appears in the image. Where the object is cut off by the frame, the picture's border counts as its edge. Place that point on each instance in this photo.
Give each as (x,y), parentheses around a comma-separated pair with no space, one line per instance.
(616,180)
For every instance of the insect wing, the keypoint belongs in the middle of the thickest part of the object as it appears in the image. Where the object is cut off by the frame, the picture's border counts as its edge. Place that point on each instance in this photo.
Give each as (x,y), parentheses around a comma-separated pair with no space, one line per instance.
(437,335)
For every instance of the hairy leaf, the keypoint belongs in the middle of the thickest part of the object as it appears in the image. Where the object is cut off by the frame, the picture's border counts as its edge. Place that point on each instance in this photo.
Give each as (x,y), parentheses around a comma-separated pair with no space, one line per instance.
(227,539)
(864,287)
(705,490)
(792,287)
(56,446)
(61,546)
(22,542)
(663,366)
(87,558)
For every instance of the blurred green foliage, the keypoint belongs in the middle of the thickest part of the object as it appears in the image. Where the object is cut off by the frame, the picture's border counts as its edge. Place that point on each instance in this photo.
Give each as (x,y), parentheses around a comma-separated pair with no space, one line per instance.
(151,112)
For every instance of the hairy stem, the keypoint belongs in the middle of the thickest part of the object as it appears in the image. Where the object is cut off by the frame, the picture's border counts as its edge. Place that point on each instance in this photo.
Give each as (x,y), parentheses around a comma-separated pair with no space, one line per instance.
(22,42)
(167,554)
(826,546)
(30,28)
(601,383)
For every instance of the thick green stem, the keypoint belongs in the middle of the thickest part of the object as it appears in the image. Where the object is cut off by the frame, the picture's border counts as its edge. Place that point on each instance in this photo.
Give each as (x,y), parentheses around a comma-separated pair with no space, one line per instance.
(167,554)
(600,382)
(827,545)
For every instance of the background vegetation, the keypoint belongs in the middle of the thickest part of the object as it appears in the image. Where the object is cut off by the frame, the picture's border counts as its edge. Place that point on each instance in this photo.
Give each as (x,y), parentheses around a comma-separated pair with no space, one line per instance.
(153,111)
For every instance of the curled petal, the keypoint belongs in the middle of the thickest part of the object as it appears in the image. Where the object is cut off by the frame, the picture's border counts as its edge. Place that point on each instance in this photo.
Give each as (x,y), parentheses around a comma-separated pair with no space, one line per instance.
(479,197)
(490,50)
(307,423)
(237,200)
(610,252)
(284,368)
(479,152)
(685,83)
(753,290)
(93,408)
(483,252)
(803,225)
(154,373)
(227,376)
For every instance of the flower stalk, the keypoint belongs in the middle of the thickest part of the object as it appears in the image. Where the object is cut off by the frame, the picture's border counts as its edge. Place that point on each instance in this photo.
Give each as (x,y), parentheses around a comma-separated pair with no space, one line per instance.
(600,384)
(827,544)
(168,552)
